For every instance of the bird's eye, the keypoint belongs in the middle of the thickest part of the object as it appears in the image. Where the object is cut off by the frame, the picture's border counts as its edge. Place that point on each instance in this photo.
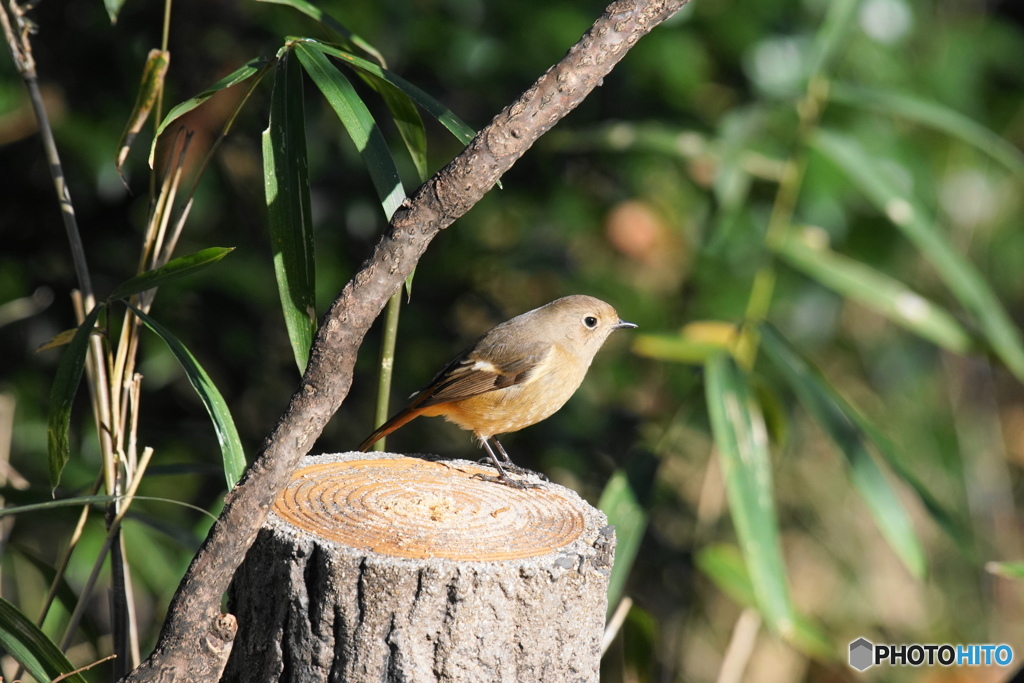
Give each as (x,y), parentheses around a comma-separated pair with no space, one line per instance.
(590,321)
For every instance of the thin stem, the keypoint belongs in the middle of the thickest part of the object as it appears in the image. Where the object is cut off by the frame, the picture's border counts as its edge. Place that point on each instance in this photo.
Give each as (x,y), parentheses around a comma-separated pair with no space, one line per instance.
(122,608)
(387,361)
(112,534)
(135,396)
(21,50)
(157,208)
(165,38)
(165,245)
(96,372)
(158,106)
(809,110)
(741,646)
(80,669)
(65,559)
(615,623)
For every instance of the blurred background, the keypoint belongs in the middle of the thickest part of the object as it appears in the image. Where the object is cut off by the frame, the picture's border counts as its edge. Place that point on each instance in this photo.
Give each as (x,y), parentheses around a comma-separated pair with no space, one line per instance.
(656,195)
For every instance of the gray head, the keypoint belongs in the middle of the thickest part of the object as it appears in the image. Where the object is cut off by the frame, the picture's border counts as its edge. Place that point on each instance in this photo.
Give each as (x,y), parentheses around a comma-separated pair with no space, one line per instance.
(581,323)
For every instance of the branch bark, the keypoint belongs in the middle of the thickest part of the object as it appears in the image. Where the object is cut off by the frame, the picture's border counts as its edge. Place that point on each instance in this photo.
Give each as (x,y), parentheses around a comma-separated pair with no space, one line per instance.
(196,637)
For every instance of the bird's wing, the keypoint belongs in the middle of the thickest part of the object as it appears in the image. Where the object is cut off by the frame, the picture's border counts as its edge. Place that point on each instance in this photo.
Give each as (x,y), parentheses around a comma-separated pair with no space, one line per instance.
(469,374)
(466,375)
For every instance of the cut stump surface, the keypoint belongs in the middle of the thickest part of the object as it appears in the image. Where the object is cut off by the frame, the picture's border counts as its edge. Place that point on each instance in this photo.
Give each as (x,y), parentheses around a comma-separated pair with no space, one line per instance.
(390,568)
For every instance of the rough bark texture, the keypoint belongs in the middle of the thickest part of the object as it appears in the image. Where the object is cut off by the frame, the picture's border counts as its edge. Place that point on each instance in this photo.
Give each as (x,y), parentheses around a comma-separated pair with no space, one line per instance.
(311,609)
(191,640)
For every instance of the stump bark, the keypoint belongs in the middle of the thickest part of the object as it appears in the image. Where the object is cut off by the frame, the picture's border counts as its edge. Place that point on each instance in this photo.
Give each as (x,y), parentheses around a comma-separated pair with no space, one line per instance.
(380,567)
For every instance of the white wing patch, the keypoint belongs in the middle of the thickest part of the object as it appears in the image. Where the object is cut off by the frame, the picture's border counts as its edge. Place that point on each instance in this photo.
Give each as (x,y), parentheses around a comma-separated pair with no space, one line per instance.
(484,366)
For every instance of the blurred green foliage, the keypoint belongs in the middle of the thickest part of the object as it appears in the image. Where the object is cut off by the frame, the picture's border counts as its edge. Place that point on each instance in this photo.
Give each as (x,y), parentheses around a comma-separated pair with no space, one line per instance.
(657,195)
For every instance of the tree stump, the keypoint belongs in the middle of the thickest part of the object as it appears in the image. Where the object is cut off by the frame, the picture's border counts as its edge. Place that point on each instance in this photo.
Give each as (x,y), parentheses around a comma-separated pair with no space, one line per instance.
(380,567)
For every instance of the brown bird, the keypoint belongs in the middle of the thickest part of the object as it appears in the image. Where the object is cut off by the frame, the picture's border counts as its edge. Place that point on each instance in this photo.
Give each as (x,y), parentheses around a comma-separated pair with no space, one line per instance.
(516,375)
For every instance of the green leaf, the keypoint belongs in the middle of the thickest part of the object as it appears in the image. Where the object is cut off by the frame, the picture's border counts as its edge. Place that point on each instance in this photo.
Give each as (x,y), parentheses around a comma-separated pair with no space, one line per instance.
(625,500)
(113,9)
(444,116)
(172,270)
(227,436)
(149,90)
(359,123)
(330,22)
(833,414)
(77,501)
(64,594)
(1007,570)
(674,348)
(839,21)
(879,292)
(933,115)
(30,647)
(741,440)
(874,180)
(62,395)
(723,564)
(957,530)
(286,185)
(407,119)
(259,64)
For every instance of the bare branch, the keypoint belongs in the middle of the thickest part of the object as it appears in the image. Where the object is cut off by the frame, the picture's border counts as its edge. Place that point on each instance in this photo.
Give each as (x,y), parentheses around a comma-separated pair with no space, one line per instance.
(194,645)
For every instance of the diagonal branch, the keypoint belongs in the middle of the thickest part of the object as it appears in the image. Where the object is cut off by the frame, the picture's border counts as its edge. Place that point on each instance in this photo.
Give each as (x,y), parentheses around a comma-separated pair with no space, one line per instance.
(196,638)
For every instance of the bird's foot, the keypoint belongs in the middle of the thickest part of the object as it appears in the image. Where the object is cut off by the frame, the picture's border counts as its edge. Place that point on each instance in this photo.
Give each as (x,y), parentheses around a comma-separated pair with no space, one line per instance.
(515,469)
(506,480)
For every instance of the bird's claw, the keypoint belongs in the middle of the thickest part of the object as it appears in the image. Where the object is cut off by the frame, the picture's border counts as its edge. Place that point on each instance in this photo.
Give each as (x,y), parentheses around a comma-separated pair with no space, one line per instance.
(515,469)
(508,481)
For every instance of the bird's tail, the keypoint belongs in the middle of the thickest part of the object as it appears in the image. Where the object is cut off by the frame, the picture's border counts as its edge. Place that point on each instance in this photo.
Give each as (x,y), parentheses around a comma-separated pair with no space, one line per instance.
(391,425)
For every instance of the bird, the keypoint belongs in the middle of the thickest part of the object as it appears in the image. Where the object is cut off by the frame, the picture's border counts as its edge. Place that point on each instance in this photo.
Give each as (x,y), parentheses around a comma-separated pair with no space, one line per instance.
(517,374)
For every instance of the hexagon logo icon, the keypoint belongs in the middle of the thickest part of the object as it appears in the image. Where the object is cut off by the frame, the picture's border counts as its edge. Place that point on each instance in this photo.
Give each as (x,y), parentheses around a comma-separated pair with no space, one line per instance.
(861,651)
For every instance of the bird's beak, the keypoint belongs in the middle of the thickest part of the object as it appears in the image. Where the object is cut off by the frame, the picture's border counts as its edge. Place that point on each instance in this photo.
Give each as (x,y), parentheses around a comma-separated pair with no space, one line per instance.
(622,324)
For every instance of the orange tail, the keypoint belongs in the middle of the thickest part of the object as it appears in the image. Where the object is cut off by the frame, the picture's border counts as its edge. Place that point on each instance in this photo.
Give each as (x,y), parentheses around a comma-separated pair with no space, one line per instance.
(391,425)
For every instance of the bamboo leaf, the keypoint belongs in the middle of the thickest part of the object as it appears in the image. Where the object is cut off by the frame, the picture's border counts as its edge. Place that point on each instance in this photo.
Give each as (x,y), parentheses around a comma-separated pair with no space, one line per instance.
(879,292)
(330,22)
(97,500)
(243,73)
(113,9)
(970,289)
(359,123)
(62,395)
(1007,570)
(77,501)
(149,89)
(833,414)
(625,500)
(64,593)
(673,348)
(169,272)
(933,115)
(723,564)
(959,532)
(741,440)
(30,647)
(286,186)
(694,344)
(227,436)
(407,119)
(444,116)
(828,40)
(58,340)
